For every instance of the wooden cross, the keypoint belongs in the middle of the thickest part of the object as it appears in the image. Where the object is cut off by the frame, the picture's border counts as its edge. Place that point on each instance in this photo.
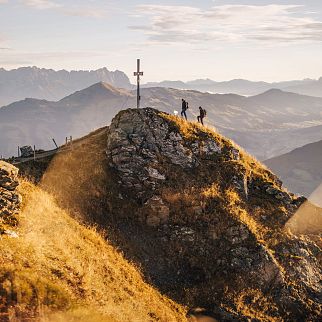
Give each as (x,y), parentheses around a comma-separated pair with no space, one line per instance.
(138,73)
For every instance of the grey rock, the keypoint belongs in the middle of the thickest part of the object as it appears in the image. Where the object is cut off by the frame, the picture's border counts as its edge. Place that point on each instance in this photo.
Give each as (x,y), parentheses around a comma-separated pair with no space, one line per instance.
(155,212)
(184,234)
(138,141)
(26,151)
(154,174)
(210,147)
(10,199)
(235,155)
(11,233)
(272,191)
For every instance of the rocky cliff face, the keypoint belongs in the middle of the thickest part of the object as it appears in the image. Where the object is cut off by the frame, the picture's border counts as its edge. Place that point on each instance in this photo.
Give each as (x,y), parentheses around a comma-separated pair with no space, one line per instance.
(206,221)
(10,199)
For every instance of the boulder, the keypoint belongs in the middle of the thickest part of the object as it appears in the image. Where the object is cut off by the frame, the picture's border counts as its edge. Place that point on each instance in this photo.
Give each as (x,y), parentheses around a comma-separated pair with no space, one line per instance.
(210,147)
(156,212)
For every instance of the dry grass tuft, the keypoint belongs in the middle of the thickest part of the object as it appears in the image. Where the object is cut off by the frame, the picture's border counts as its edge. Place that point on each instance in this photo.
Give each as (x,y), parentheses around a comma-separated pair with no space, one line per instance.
(253,303)
(196,131)
(59,265)
(236,209)
(191,130)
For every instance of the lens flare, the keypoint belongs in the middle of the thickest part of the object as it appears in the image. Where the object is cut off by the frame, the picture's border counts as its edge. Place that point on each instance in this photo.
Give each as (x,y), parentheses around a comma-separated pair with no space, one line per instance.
(308,219)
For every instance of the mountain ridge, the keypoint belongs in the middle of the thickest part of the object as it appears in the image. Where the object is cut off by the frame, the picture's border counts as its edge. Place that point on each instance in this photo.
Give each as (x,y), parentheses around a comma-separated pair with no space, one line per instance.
(300,169)
(253,122)
(49,84)
(310,87)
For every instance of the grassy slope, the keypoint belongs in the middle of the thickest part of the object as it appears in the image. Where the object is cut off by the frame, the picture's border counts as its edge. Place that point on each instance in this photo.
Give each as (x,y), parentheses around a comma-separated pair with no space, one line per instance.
(58,264)
(88,186)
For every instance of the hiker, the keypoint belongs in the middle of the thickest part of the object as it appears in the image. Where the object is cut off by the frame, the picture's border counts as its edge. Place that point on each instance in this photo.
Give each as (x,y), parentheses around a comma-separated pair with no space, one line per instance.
(185,106)
(202,115)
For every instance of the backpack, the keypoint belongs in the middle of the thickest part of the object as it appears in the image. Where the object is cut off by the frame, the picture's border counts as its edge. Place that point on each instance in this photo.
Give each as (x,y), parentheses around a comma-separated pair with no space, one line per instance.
(204,112)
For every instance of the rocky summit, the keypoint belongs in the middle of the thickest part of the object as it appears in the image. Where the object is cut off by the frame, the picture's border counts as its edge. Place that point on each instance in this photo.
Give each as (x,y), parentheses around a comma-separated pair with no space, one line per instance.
(10,199)
(206,222)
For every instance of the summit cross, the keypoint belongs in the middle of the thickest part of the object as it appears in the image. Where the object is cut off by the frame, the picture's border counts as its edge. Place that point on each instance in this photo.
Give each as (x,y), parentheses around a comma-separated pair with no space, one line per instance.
(138,73)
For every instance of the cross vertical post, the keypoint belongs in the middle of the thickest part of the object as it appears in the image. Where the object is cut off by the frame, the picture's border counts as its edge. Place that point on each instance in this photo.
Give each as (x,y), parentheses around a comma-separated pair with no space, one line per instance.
(138,73)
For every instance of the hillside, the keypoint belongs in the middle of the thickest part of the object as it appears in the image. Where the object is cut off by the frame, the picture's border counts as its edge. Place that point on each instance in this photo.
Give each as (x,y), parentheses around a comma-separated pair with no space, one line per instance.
(39,121)
(57,269)
(41,83)
(203,220)
(300,169)
(266,125)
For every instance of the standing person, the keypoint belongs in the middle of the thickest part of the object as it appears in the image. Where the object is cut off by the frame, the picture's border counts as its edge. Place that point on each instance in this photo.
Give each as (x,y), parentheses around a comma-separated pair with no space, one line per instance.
(184,108)
(202,115)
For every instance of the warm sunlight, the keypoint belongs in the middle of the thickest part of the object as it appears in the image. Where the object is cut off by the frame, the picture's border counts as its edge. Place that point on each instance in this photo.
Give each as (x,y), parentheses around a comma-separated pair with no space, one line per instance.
(160,161)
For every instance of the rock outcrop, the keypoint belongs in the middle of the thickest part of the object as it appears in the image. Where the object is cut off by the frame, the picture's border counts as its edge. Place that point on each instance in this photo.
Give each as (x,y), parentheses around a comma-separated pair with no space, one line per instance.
(10,199)
(206,221)
(203,220)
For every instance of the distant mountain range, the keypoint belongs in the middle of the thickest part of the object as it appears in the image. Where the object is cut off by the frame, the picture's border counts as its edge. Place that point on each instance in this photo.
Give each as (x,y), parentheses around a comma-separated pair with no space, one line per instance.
(48,84)
(33,82)
(244,87)
(266,125)
(300,170)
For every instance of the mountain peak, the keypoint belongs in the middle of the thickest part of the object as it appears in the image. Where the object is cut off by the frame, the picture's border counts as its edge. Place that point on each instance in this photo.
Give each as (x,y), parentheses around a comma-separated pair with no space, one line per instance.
(273,91)
(104,86)
(107,88)
(188,146)
(201,218)
(213,214)
(98,91)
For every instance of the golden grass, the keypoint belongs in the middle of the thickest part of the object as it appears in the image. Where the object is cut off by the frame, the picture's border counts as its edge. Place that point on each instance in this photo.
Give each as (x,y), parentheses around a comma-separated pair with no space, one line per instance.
(253,303)
(59,265)
(236,209)
(212,192)
(196,131)
(85,182)
(191,130)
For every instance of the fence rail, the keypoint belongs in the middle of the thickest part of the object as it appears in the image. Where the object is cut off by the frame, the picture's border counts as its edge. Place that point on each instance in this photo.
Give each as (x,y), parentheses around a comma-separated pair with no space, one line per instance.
(39,155)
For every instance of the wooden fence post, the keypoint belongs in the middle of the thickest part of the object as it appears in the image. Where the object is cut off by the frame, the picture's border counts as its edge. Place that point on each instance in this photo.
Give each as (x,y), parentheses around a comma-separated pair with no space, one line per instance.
(55,143)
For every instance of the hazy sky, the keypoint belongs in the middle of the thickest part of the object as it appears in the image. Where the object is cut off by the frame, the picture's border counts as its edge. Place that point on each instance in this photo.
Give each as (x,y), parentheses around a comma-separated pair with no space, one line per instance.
(222,39)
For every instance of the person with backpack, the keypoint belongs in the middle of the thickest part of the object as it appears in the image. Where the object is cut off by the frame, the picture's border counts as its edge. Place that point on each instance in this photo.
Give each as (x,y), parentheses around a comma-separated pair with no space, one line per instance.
(185,106)
(202,115)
